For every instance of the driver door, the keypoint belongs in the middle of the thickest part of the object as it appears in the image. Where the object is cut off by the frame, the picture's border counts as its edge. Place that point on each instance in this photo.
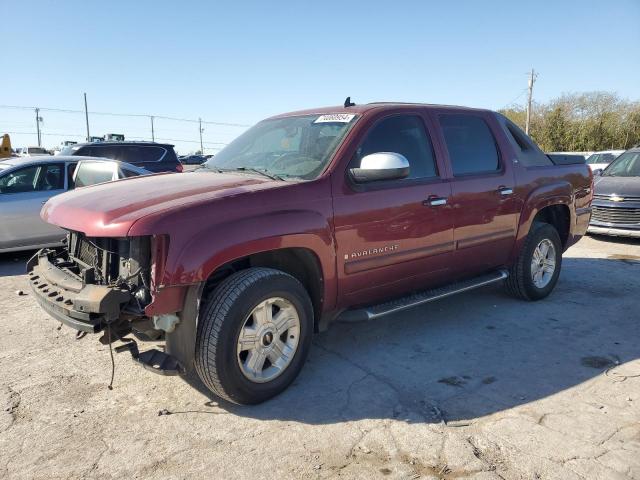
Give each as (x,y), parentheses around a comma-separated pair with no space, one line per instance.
(394,236)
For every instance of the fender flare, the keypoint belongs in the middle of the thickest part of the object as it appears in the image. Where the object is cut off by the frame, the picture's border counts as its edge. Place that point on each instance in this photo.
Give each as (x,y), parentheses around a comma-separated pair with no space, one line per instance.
(557,193)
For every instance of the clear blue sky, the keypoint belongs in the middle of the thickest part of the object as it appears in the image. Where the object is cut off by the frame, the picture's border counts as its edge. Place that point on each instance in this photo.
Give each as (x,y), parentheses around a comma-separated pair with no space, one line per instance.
(240,61)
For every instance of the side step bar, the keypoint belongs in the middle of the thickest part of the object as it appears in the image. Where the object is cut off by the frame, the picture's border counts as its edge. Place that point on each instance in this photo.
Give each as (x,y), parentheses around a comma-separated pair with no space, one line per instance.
(376,311)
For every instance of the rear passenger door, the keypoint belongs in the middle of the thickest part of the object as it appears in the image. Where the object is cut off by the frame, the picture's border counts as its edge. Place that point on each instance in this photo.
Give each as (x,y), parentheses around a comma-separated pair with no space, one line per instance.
(484,206)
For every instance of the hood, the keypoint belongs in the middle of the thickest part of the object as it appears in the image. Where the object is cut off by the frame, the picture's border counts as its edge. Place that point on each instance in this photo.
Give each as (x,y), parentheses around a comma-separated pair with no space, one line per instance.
(629,186)
(110,209)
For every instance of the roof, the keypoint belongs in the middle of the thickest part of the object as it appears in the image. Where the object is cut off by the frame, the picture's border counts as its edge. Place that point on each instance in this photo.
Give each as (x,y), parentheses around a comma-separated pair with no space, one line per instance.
(125,142)
(368,107)
(24,161)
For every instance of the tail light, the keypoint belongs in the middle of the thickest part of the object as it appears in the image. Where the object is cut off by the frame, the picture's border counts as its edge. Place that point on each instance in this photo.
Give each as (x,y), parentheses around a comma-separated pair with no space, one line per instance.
(179,168)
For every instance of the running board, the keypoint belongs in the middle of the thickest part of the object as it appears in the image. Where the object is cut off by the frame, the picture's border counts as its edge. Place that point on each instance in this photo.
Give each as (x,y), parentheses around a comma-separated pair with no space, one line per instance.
(376,311)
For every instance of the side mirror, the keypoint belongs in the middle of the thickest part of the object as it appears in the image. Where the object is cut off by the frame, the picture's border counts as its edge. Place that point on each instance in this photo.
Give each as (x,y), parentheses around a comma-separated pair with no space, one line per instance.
(381,166)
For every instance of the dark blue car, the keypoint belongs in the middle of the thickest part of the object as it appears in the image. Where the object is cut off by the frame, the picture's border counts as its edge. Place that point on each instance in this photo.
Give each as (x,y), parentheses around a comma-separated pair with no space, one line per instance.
(155,157)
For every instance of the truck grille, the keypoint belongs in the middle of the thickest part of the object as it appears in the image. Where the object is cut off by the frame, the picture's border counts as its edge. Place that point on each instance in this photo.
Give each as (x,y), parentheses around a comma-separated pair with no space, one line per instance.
(84,251)
(616,215)
(625,198)
(87,253)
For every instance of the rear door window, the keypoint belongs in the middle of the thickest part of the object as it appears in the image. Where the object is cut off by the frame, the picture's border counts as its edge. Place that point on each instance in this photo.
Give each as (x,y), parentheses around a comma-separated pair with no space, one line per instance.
(142,153)
(471,145)
(90,173)
(104,151)
(51,177)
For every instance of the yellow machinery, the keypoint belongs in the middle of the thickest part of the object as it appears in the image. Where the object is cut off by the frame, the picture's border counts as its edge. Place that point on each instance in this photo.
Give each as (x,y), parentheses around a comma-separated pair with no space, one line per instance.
(5,146)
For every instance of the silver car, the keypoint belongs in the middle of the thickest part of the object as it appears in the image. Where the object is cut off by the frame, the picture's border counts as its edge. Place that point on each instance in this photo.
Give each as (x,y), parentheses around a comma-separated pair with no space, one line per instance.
(26,183)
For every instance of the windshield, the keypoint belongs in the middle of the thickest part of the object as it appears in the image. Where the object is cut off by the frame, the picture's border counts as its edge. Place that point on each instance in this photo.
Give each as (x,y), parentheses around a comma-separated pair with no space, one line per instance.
(290,147)
(626,165)
(600,158)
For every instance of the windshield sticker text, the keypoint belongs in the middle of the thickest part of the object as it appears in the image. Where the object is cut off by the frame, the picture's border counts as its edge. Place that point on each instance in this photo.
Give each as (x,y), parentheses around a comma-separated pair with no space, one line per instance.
(335,118)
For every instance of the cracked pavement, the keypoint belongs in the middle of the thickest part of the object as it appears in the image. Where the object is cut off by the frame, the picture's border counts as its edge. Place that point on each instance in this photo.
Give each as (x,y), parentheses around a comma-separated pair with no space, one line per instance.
(477,386)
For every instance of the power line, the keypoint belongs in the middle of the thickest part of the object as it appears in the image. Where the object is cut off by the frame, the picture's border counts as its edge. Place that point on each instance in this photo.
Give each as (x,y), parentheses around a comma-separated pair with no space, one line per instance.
(139,115)
(134,137)
(510,102)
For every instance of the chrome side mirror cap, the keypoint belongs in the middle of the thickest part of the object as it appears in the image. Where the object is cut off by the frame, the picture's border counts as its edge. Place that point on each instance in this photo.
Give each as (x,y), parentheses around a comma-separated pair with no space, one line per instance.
(381,166)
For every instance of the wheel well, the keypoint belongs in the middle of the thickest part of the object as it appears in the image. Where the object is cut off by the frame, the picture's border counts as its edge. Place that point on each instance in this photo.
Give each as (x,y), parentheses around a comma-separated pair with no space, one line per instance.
(300,263)
(559,217)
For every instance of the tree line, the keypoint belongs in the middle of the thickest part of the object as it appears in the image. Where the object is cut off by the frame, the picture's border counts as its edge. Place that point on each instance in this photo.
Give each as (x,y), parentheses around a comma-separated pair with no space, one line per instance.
(578,122)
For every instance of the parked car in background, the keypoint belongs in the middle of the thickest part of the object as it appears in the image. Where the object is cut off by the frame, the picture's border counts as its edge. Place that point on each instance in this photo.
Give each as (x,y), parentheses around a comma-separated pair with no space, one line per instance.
(600,160)
(616,203)
(155,157)
(31,151)
(91,171)
(348,213)
(193,159)
(26,183)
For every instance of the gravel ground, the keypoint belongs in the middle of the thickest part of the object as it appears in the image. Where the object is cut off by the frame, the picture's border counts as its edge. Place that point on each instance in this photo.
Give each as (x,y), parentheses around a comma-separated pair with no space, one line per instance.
(477,386)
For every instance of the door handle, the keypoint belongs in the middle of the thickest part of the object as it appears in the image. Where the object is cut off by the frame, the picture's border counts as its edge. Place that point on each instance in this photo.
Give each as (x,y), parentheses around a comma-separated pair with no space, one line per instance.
(434,201)
(504,191)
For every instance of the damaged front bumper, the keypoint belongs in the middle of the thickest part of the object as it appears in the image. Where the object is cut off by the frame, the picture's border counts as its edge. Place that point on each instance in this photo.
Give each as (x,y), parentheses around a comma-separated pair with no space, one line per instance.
(91,308)
(84,307)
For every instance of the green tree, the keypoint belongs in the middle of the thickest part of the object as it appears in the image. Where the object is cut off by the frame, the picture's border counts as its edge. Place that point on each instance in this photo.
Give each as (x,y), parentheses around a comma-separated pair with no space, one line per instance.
(587,121)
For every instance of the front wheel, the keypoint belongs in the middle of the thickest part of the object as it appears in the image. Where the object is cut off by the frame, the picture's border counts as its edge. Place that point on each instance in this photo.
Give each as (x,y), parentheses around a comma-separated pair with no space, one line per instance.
(254,334)
(535,273)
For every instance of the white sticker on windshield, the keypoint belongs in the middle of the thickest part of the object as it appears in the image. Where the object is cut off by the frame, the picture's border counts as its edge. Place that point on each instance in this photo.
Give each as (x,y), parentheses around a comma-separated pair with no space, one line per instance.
(335,118)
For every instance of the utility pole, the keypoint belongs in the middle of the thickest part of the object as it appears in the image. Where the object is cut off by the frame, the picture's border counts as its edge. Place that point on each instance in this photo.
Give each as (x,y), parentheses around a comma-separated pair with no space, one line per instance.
(153,135)
(86,117)
(38,120)
(532,79)
(201,147)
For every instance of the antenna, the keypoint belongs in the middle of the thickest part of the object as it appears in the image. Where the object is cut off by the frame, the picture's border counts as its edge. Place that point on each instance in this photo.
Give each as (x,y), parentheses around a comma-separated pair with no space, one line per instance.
(348,103)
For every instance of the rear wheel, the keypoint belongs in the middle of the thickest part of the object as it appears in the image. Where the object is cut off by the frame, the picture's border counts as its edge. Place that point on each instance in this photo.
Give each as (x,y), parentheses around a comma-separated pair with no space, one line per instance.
(535,273)
(254,335)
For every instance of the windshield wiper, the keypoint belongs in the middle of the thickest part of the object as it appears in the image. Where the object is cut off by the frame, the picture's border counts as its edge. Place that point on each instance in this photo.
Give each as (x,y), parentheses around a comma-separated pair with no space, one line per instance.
(264,173)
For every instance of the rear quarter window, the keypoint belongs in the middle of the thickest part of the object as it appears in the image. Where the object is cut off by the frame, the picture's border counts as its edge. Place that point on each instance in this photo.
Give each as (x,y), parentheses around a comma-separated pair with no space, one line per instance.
(528,153)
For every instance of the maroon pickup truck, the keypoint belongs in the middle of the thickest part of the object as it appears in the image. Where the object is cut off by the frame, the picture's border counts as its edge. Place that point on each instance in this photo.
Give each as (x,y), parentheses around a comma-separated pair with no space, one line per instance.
(346,213)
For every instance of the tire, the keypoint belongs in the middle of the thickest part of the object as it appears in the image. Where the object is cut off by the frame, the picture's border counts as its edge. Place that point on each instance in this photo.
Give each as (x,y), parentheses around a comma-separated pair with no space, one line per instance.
(240,304)
(521,283)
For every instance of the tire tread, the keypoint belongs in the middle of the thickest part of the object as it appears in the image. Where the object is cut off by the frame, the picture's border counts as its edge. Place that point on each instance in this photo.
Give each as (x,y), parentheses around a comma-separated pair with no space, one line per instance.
(516,282)
(212,317)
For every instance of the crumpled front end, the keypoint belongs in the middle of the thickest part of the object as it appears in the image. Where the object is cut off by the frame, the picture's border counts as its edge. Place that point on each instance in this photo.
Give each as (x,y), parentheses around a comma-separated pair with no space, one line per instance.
(92,282)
